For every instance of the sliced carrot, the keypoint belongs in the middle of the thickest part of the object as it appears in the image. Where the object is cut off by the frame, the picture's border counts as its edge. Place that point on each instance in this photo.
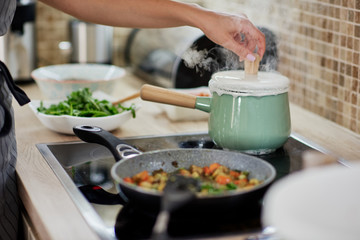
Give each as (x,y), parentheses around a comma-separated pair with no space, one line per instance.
(221,179)
(203,94)
(142,176)
(128,180)
(234,174)
(213,167)
(185,172)
(241,182)
(206,170)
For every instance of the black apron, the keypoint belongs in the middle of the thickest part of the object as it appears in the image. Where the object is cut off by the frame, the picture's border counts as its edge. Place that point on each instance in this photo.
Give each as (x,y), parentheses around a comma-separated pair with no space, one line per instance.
(9,200)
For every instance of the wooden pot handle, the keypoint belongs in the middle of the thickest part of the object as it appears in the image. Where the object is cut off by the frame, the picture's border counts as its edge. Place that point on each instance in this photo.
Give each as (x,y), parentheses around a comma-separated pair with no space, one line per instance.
(251,68)
(163,95)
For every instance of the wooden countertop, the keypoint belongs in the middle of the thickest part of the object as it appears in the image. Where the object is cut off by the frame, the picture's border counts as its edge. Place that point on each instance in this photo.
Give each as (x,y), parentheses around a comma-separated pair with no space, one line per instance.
(50,208)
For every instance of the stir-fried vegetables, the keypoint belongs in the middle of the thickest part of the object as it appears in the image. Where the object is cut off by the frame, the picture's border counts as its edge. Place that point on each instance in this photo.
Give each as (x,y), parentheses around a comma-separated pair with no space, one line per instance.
(214,179)
(81,103)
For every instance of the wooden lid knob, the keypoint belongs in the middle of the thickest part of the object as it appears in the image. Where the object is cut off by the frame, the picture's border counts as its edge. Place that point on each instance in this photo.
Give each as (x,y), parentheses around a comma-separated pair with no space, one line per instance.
(251,68)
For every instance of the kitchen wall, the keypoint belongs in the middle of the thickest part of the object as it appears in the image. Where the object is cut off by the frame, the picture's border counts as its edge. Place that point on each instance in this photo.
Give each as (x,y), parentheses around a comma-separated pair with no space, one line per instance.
(53,28)
(318,41)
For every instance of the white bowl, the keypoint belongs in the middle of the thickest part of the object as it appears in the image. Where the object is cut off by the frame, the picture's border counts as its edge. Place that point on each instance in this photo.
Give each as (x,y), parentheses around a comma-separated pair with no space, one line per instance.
(58,81)
(65,123)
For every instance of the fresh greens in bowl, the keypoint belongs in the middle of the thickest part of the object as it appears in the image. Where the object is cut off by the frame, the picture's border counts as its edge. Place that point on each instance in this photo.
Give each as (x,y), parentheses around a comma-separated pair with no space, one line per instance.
(81,103)
(82,108)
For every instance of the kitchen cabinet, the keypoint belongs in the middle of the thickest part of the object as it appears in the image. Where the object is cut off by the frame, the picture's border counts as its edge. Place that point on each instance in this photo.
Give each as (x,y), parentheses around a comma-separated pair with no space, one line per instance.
(52,214)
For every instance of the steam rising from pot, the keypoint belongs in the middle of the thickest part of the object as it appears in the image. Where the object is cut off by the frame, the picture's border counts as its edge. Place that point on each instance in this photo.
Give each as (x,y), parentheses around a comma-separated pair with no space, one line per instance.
(213,60)
(197,59)
(221,59)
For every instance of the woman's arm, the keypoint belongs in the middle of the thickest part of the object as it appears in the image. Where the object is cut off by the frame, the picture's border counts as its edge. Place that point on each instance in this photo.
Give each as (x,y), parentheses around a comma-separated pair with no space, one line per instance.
(223,29)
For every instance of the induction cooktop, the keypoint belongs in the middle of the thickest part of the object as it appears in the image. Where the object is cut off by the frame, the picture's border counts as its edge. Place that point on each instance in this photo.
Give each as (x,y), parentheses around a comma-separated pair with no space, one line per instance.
(78,164)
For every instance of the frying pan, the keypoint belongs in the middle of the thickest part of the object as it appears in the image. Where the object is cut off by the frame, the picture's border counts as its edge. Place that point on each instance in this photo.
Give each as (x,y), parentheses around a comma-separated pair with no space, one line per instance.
(130,161)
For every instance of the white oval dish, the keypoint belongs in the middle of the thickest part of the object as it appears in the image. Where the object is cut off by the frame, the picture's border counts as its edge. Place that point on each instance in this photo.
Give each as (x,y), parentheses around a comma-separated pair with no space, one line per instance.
(58,81)
(319,203)
(65,123)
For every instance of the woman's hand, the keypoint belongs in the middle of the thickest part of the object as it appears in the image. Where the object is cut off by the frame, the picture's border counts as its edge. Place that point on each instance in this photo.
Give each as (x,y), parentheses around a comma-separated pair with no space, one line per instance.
(234,32)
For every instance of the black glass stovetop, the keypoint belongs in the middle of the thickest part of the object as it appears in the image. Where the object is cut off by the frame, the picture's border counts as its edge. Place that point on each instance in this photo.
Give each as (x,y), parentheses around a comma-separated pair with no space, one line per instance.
(88,166)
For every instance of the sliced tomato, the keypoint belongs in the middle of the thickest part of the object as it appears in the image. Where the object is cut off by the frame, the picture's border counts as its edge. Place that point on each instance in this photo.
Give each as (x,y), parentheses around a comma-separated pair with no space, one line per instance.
(222,179)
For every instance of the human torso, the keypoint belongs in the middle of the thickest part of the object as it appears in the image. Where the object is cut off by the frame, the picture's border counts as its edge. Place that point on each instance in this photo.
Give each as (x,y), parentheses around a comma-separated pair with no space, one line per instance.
(7,10)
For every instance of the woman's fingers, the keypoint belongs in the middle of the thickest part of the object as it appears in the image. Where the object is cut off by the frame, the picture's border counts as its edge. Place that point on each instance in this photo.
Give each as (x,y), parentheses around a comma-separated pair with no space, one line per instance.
(246,40)
(236,33)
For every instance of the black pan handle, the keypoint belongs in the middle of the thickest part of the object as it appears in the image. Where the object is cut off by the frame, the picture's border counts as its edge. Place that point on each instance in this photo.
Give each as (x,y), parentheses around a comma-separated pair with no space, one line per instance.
(179,191)
(118,148)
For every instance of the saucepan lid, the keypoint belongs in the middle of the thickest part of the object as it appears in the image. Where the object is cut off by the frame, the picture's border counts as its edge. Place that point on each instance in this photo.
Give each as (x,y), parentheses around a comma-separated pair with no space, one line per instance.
(238,83)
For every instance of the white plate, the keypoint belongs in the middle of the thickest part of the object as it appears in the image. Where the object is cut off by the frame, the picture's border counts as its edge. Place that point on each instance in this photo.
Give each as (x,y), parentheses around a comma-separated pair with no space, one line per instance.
(65,123)
(319,203)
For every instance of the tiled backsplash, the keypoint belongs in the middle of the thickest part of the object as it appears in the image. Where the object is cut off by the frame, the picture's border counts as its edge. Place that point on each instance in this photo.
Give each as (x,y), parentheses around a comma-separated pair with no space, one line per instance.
(318,41)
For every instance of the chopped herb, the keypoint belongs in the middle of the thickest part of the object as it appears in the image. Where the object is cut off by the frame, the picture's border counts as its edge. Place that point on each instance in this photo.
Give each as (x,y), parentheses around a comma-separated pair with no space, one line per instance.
(231,186)
(81,103)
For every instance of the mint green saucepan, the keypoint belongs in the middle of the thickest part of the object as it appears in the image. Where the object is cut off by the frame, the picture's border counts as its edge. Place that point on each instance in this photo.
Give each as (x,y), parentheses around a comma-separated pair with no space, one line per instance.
(248,113)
